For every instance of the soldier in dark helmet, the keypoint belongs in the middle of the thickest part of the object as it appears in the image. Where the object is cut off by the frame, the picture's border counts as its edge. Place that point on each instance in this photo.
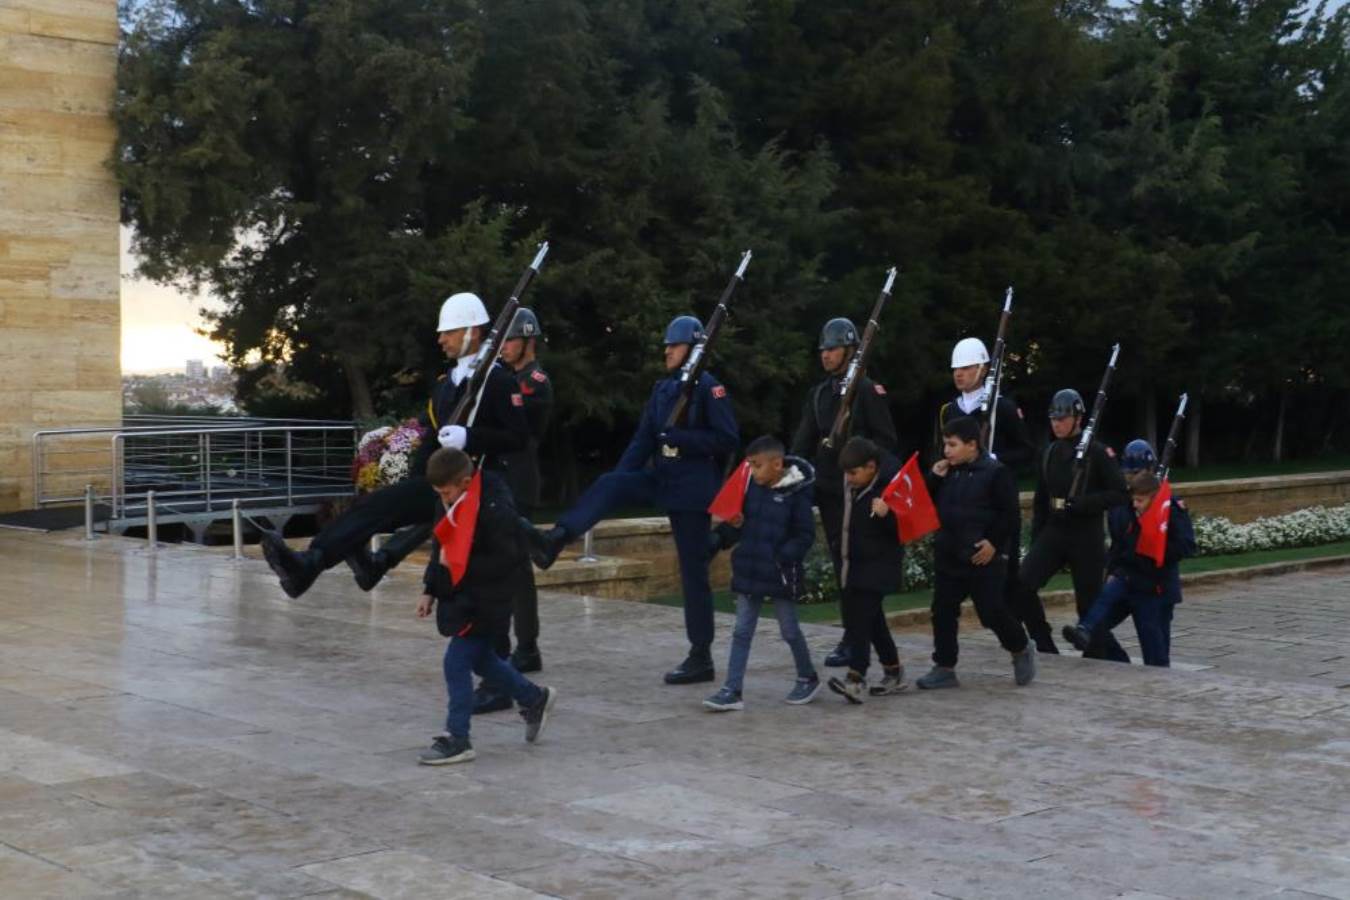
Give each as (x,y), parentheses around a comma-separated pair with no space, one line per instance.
(871,419)
(1012,446)
(1069,530)
(680,470)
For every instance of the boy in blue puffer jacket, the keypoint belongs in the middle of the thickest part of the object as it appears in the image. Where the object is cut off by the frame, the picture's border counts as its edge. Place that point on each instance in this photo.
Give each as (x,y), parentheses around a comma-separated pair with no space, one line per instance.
(771,538)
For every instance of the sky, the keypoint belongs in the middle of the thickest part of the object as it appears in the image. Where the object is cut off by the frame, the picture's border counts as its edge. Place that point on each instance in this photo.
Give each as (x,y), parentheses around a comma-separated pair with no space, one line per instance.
(159,323)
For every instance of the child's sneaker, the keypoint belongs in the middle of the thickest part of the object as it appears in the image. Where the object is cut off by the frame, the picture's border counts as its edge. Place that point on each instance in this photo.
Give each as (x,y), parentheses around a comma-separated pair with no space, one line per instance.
(1024,665)
(724,700)
(938,677)
(803,692)
(1078,636)
(446,749)
(536,716)
(852,688)
(893,682)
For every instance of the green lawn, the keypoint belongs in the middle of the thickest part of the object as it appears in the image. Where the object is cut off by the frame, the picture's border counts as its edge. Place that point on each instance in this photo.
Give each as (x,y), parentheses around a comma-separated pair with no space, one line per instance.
(826,613)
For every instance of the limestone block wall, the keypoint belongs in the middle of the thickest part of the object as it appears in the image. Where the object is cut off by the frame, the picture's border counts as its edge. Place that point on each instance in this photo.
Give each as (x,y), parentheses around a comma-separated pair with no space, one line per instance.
(60,335)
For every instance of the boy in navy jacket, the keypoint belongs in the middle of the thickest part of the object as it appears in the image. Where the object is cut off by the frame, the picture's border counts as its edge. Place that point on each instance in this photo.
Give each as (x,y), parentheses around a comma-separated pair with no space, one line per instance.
(1136,586)
(771,537)
(474,611)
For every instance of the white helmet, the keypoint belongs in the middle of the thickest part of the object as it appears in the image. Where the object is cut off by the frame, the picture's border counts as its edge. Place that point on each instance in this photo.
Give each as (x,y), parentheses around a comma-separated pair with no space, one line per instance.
(462,311)
(969,352)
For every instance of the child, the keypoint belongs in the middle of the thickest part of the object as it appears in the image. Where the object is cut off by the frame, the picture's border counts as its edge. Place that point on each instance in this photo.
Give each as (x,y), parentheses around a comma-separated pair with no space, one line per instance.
(1136,586)
(771,537)
(475,610)
(976,499)
(871,563)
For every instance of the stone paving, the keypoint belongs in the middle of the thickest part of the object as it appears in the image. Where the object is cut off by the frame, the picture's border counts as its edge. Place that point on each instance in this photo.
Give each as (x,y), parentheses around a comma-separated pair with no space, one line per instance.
(171,725)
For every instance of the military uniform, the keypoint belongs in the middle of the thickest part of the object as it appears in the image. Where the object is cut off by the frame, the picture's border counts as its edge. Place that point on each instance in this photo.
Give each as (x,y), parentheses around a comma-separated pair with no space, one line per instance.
(682,484)
(499,428)
(1070,531)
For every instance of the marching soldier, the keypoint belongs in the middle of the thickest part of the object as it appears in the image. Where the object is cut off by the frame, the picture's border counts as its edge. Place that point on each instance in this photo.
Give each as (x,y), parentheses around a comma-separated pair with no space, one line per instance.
(1012,447)
(1069,529)
(679,470)
(871,419)
(499,427)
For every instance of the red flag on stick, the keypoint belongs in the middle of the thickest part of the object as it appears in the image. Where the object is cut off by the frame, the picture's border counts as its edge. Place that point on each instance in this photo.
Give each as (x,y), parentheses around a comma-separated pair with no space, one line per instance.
(907,496)
(455,529)
(730,500)
(1153,526)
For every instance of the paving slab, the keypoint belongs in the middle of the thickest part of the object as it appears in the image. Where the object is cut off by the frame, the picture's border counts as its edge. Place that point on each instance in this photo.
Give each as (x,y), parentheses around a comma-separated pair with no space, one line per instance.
(172,725)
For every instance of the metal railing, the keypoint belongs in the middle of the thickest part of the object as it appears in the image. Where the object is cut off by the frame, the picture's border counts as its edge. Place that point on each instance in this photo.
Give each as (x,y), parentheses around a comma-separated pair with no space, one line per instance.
(196,467)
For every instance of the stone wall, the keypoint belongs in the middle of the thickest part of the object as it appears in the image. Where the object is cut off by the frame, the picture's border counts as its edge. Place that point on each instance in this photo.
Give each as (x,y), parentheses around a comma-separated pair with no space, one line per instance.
(60,334)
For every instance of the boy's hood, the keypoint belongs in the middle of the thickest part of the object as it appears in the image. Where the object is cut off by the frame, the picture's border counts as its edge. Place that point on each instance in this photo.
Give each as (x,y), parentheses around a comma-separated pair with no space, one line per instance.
(798,475)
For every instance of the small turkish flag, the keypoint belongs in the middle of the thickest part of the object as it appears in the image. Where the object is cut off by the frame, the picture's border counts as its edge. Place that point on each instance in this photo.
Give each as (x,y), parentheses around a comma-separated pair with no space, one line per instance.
(454,531)
(1153,526)
(730,500)
(907,496)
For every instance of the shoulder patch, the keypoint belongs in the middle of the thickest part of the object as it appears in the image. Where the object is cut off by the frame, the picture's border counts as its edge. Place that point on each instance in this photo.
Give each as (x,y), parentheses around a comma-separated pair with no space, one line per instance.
(539,376)
(1178,502)
(1019,413)
(517,400)
(441,377)
(879,388)
(718,391)
(1110,451)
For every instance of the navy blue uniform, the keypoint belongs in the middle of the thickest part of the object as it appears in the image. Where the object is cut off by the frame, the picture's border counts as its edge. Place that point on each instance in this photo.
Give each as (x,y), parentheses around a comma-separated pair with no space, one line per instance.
(1138,588)
(683,485)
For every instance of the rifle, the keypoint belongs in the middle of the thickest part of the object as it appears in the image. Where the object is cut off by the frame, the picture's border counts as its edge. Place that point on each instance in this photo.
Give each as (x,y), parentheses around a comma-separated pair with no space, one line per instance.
(698,354)
(993,380)
(1080,462)
(1169,448)
(491,346)
(848,385)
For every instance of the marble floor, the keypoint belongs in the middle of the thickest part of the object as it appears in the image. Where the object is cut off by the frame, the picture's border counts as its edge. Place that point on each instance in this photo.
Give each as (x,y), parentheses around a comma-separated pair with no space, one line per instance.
(172,726)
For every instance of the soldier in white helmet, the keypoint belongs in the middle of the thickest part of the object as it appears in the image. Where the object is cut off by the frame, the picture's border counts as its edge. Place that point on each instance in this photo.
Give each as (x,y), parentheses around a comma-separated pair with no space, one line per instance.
(1012,446)
(498,428)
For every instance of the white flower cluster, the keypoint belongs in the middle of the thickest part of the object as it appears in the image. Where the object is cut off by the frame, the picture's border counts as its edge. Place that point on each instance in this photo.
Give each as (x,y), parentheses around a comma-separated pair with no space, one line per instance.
(1215,535)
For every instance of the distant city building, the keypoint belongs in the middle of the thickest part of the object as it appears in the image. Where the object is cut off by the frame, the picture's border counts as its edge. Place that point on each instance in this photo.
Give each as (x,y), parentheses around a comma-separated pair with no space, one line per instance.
(220,373)
(196,369)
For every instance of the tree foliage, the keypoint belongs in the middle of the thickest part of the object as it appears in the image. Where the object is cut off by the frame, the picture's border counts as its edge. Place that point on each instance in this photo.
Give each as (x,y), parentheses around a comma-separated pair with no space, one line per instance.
(1174,176)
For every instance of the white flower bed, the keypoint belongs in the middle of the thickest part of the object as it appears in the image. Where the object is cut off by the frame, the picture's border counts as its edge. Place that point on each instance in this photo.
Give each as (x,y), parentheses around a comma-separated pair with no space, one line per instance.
(1216,535)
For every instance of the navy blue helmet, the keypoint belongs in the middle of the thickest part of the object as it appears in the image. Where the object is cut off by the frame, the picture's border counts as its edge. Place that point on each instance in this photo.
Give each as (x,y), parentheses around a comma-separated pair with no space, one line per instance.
(684,330)
(1138,456)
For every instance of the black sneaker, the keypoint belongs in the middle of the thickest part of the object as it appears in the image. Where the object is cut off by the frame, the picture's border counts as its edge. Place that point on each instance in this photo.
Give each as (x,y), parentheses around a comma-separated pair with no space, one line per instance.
(488,700)
(838,657)
(544,546)
(525,660)
(696,668)
(368,567)
(296,571)
(446,749)
(536,716)
(1078,636)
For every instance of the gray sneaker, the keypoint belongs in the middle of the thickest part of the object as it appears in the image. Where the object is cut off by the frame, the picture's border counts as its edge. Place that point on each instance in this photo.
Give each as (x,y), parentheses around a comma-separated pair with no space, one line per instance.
(891,683)
(938,677)
(850,687)
(724,700)
(1024,665)
(446,749)
(803,692)
(536,716)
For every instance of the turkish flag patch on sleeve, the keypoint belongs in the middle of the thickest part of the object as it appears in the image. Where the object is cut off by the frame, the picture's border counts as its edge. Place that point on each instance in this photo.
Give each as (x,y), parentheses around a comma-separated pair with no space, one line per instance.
(539,376)
(517,400)
(718,391)
(881,390)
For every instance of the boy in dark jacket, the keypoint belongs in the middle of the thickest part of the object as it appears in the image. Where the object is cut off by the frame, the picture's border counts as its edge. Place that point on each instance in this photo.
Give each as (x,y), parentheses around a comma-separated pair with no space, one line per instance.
(771,537)
(473,610)
(872,563)
(976,499)
(1135,586)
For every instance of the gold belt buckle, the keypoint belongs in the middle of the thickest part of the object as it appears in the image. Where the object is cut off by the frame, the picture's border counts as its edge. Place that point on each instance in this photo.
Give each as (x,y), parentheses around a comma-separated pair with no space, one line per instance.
(670,452)
(1057,503)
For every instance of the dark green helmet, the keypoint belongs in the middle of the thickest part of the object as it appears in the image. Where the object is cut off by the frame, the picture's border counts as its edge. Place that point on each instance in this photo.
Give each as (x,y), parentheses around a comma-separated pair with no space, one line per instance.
(524,324)
(1067,402)
(838,333)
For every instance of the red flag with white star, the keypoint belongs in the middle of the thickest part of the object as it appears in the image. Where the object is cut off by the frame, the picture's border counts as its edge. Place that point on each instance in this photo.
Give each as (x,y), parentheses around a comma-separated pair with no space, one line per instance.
(907,496)
(1153,526)
(455,529)
(730,500)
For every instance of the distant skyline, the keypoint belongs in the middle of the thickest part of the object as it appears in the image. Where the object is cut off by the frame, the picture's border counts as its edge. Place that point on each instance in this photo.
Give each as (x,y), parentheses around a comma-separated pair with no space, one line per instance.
(159,323)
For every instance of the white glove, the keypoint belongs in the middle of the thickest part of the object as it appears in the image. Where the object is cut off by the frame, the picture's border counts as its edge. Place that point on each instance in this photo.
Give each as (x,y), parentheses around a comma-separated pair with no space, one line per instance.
(453,436)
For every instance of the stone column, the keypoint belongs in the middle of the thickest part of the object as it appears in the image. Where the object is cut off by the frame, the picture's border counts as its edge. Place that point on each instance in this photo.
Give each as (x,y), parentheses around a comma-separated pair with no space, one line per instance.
(60,334)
